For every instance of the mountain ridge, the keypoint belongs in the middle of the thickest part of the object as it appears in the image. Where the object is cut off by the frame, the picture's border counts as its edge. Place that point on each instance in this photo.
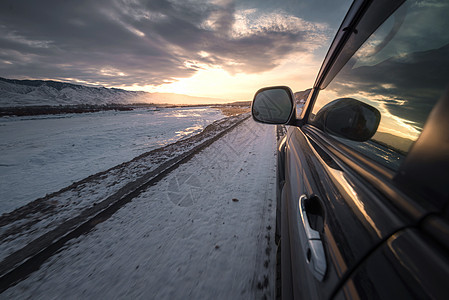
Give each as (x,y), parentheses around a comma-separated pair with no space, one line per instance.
(17,93)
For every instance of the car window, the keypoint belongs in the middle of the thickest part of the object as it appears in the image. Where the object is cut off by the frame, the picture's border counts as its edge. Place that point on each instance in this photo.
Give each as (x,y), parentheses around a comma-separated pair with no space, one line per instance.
(402,70)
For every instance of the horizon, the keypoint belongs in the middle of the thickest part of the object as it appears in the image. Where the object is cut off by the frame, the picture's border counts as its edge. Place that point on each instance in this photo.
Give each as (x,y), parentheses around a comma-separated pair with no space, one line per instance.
(143,91)
(221,49)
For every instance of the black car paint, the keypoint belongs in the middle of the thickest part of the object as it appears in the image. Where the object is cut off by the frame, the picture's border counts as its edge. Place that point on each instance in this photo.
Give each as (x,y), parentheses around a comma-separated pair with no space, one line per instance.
(385,235)
(408,265)
(383,243)
(353,225)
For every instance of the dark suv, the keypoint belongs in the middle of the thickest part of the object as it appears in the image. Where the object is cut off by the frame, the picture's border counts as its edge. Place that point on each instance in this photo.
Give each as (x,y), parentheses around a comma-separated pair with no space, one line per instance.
(363,170)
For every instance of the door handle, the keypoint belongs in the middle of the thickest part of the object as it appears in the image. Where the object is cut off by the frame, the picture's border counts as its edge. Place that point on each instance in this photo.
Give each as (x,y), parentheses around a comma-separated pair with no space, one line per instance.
(313,247)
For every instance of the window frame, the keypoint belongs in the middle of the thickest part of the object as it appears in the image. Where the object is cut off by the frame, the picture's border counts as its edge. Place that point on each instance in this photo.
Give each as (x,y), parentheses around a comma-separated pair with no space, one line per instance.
(364,17)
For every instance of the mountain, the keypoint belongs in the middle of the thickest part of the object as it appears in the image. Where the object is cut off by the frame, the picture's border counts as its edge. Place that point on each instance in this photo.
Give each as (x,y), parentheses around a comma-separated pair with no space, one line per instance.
(300,100)
(400,144)
(301,97)
(17,93)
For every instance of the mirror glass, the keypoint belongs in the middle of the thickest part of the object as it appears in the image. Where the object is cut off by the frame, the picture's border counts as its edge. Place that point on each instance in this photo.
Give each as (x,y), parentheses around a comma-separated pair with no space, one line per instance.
(273,105)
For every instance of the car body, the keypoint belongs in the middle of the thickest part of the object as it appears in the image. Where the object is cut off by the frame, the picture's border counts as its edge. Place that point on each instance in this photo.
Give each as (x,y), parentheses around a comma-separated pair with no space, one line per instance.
(363,170)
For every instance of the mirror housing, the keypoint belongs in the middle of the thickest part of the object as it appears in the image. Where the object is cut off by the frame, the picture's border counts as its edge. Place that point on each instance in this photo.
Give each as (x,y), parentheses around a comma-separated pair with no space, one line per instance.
(348,118)
(273,105)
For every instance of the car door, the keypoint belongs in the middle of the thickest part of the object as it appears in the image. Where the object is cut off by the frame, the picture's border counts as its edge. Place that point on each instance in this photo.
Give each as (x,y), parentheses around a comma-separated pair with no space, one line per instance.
(414,262)
(342,200)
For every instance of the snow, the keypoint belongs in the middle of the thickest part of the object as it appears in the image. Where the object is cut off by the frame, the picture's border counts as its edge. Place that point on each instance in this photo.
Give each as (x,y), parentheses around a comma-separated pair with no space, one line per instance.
(62,211)
(184,237)
(12,94)
(54,93)
(43,154)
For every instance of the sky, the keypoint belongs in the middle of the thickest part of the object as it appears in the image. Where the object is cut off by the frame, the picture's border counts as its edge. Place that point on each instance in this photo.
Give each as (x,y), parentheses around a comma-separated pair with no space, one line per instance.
(224,49)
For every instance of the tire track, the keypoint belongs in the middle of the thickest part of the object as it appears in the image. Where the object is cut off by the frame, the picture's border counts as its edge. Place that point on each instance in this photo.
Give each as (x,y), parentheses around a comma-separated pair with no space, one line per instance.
(20,264)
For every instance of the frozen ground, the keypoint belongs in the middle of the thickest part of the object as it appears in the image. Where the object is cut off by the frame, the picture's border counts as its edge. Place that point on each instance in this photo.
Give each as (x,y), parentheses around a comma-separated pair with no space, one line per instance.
(205,231)
(38,224)
(43,154)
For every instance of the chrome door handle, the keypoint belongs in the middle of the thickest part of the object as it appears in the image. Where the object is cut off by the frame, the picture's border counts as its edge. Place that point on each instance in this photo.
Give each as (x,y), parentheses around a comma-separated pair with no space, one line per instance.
(313,248)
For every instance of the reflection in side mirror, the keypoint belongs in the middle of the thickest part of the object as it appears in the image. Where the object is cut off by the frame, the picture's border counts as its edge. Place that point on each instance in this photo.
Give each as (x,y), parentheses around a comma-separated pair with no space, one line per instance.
(349,118)
(273,105)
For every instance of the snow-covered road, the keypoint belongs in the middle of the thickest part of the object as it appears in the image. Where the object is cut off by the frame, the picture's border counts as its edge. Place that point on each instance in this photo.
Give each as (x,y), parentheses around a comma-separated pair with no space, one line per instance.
(205,231)
(42,154)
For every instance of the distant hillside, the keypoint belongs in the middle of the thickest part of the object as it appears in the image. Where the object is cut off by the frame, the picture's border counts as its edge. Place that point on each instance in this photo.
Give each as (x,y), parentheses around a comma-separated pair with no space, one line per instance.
(400,144)
(18,93)
(241,103)
(58,85)
(300,100)
(301,96)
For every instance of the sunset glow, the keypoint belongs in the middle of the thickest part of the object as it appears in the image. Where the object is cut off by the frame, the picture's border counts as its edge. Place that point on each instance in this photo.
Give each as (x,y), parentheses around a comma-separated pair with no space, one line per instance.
(297,72)
(216,49)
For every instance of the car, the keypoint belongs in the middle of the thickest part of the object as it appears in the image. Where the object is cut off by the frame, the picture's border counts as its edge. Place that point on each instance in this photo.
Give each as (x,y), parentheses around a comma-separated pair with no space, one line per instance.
(363,170)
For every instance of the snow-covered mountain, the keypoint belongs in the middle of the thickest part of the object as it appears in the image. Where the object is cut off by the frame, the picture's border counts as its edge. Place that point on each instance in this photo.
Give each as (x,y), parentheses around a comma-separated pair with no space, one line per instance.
(300,100)
(301,97)
(39,92)
(15,93)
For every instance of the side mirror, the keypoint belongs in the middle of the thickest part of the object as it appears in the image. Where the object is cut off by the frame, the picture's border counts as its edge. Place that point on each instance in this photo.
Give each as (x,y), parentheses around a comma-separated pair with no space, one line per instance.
(348,118)
(273,105)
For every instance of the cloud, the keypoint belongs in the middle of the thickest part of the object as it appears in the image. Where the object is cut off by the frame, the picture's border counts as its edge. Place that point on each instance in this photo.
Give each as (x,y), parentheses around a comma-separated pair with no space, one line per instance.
(131,42)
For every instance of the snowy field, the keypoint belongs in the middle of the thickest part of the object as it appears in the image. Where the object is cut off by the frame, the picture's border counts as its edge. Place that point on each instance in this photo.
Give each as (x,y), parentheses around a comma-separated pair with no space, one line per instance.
(43,154)
(205,231)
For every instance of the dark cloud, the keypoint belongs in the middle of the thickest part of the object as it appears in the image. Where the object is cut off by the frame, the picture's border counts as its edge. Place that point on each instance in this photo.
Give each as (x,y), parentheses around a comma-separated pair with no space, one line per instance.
(323,11)
(128,42)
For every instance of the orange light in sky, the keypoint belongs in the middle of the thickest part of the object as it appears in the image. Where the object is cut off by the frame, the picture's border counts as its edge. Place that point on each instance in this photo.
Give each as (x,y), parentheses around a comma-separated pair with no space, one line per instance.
(297,71)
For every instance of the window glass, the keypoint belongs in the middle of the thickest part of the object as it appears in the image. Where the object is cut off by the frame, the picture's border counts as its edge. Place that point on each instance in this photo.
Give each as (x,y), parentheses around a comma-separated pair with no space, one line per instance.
(401,70)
